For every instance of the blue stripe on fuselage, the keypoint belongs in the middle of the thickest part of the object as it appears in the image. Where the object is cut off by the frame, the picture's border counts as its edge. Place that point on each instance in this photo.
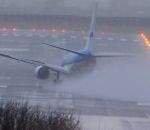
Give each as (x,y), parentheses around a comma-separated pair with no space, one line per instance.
(91,34)
(73,58)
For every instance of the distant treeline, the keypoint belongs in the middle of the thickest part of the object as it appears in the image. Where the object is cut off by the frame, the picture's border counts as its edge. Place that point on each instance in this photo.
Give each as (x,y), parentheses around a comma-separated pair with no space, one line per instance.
(109,24)
(62,18)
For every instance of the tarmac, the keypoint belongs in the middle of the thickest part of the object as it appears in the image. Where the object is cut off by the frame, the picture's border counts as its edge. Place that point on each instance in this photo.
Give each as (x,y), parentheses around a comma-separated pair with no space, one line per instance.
(123,80)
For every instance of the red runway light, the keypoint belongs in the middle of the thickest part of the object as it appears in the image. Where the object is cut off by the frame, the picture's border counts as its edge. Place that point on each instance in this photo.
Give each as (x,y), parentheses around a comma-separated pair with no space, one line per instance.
(63,30)
(33,29)
(4,29)
(14,29)
(53,30)
(43,30)
(82,31)
(102,33)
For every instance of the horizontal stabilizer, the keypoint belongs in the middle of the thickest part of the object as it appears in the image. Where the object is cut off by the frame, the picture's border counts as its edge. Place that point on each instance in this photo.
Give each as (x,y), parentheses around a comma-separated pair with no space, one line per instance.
(113,55)
(64,49)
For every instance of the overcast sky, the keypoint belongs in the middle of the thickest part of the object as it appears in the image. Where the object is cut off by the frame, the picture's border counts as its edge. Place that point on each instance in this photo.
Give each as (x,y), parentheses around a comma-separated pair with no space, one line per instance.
(140,8)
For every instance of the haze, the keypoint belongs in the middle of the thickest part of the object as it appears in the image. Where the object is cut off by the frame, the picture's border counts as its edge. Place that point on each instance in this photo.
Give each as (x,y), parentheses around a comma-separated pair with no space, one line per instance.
(124,8)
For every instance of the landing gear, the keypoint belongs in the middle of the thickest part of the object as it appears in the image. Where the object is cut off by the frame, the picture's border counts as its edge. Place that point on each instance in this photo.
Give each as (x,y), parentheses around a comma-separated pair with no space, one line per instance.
(57,77)
(37,83)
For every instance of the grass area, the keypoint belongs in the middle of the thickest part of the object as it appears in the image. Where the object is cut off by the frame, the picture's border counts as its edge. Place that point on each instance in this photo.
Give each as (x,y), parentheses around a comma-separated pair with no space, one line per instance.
(22,116)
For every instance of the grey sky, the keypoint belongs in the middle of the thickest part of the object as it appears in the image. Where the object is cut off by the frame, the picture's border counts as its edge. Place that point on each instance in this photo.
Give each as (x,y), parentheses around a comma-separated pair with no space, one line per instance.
(76,7)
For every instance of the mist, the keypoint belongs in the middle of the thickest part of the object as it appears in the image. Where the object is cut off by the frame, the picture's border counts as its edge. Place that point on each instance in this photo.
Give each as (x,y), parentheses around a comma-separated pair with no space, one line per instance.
(118,79)
(113,8)
(129,79)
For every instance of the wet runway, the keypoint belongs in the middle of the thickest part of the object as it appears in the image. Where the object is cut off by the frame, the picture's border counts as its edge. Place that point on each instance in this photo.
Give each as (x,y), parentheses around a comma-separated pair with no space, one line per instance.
(123,80)
(27,44)
(112,78)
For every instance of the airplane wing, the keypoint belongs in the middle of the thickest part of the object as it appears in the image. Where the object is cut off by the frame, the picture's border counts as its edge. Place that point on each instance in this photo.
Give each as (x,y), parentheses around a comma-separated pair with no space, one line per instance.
(17,59)
(52,67)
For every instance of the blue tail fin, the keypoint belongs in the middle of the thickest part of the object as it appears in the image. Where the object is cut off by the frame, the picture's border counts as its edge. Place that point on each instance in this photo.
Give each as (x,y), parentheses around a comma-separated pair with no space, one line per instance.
(92,29)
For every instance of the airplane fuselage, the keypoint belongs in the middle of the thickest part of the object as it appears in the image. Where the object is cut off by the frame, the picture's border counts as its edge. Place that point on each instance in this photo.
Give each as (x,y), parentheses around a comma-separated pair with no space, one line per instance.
(73,58)
(74,62)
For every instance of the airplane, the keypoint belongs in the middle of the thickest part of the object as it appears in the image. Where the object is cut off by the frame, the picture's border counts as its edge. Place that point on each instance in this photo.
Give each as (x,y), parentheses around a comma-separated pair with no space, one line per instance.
(73,58)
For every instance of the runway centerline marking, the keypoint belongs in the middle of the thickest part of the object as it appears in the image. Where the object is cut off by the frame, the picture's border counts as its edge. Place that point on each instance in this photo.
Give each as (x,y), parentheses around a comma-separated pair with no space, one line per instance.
(54,35)
(136,40)
(5,77)
(42,36)
(29,35)
(16,34)
(3,86)
(123,39)
(4,34)
(73,37)
(98,38)
(111,39)
(14,49)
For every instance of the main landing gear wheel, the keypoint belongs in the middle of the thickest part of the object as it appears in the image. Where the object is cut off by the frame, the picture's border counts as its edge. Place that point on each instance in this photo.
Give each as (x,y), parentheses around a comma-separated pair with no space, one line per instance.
(57,79)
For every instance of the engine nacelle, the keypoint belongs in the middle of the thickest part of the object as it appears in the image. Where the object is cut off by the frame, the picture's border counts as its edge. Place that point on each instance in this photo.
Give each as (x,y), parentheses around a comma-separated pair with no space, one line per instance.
(42,72)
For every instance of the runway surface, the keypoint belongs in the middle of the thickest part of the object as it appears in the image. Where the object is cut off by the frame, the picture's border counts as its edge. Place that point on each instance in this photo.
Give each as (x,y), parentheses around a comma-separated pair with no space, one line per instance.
(27,44)
(123,80)
(112,78)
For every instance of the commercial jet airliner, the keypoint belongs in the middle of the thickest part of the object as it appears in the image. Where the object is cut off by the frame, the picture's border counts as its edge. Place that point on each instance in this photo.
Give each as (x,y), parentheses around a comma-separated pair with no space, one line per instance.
(72,59)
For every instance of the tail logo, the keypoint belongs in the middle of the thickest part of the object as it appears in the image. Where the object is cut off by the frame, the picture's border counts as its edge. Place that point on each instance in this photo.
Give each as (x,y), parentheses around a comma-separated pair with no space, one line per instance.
(91,34)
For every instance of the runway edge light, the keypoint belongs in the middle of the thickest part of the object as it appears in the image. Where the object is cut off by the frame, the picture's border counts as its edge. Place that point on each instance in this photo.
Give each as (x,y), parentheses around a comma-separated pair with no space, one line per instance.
(145,39)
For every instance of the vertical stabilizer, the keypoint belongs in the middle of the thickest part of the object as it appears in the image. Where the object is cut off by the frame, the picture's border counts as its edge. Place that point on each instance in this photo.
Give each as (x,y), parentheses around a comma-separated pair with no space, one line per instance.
(92,28)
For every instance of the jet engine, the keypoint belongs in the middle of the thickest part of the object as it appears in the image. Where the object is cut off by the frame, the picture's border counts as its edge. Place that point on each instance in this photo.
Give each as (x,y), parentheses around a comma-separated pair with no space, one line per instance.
(42,72)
